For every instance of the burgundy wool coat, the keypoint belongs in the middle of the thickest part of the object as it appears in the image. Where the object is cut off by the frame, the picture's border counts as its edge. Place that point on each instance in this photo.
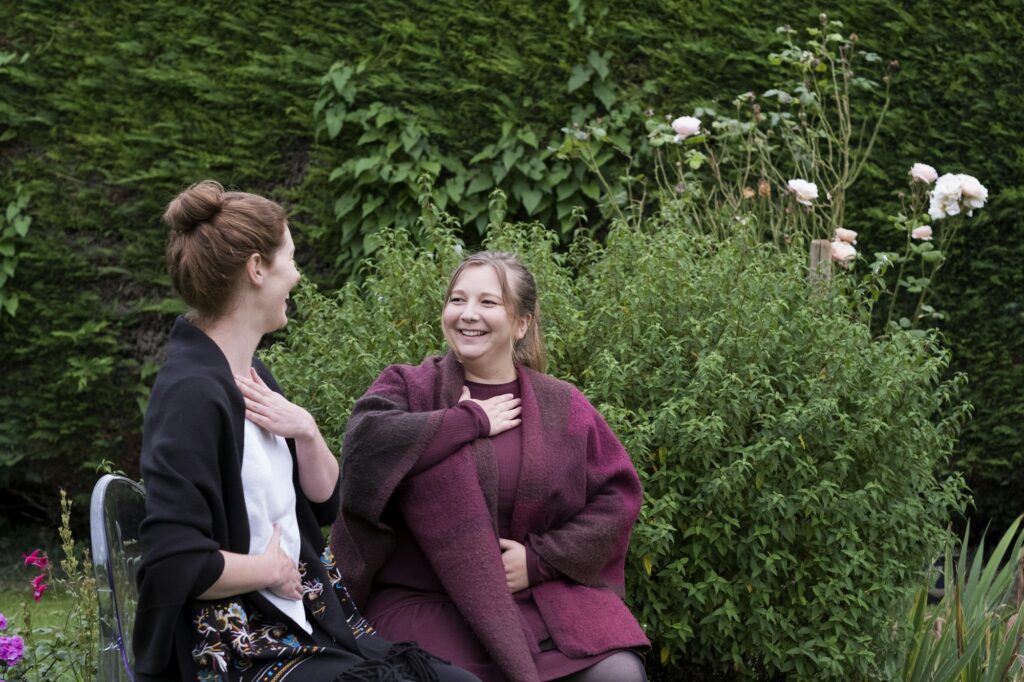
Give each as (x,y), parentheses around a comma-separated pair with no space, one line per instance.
(577,501)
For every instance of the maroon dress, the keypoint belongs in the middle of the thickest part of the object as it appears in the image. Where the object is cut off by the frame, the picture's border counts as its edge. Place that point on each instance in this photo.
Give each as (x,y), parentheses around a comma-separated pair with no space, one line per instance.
(407,601)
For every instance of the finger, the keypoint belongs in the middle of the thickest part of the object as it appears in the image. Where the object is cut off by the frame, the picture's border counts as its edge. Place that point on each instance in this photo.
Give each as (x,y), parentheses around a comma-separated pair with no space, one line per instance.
(257,379)
(465,395)
(506,544)
(275,537)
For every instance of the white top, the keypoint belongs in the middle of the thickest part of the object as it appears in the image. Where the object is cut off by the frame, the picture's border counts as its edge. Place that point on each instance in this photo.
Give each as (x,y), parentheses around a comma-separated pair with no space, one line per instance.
(270,499)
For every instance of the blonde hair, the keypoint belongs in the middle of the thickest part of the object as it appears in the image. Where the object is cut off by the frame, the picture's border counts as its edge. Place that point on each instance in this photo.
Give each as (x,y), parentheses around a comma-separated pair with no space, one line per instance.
(519,291)
(213,233)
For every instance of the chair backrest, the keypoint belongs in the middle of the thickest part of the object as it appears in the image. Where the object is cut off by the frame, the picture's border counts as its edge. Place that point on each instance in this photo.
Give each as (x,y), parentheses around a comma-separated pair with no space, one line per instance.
(115,514)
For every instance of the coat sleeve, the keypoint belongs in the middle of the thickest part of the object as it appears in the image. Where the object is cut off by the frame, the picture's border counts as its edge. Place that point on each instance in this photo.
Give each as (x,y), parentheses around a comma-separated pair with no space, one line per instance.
(183,435)
(590,547)
(383,441)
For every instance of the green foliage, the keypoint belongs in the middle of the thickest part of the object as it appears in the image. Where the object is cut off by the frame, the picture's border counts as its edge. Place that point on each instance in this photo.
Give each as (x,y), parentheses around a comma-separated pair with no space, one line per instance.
(975,633)
(788,458)
(387,152)
(14,225)
(106,111)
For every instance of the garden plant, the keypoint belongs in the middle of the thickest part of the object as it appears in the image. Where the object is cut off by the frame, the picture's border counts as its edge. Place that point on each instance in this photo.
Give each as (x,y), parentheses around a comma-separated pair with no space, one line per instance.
(794,437)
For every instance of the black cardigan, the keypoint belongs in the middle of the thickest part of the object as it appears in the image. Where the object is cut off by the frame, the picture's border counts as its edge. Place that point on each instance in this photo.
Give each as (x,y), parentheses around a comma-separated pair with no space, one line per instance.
(191,465)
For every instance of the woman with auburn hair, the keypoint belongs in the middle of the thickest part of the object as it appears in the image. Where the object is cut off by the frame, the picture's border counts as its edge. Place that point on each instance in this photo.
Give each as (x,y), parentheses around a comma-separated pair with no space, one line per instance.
(487,506)
(235,582)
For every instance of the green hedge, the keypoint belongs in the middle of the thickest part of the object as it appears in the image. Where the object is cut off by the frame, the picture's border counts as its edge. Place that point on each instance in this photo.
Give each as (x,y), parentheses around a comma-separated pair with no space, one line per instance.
(107,110)
(789,460)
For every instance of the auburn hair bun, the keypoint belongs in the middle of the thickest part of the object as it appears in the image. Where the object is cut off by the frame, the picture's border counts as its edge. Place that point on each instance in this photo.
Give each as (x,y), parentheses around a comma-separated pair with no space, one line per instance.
(198,204)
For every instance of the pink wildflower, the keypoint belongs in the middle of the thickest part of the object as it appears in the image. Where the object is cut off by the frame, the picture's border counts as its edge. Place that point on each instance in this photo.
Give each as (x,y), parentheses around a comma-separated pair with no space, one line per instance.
(37,559)
(3,622)
(38,586)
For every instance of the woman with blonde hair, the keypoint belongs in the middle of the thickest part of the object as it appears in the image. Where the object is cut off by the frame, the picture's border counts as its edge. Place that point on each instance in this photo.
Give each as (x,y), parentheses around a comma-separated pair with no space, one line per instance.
(236,583)
(487,506)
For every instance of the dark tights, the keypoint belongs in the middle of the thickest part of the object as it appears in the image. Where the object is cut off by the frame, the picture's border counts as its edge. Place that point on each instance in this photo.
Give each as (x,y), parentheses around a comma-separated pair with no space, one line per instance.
(622,666)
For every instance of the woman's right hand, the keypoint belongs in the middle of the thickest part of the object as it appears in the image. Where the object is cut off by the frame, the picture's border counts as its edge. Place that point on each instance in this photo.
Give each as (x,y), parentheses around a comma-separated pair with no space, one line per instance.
(502,410)
(283,575)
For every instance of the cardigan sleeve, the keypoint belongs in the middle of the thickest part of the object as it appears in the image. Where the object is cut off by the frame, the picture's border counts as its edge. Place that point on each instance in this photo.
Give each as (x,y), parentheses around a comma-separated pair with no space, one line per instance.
(183,436)
(590,547)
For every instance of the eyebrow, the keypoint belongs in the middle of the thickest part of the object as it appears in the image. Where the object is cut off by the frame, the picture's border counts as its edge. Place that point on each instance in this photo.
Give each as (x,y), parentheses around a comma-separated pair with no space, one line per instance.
(485,294)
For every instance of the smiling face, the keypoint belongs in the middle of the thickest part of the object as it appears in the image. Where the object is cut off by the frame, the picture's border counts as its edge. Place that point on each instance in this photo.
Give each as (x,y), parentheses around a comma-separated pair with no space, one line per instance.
(479,326)
(279,277)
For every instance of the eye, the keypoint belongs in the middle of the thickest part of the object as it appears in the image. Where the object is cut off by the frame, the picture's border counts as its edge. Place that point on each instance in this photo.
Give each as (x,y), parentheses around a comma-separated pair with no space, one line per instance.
(490,302)
(455,299)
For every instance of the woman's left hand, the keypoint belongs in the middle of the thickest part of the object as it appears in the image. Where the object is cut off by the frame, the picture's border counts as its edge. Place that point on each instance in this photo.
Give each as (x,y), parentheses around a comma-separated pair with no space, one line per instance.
(272,411)
(513,557)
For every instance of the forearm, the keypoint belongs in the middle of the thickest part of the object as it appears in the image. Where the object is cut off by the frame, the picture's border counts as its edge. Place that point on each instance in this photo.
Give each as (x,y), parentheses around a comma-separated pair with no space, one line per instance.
(242,573)
(318,467)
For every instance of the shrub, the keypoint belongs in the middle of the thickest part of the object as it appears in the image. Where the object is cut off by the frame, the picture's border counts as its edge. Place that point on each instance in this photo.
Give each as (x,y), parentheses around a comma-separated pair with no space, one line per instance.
(789,459)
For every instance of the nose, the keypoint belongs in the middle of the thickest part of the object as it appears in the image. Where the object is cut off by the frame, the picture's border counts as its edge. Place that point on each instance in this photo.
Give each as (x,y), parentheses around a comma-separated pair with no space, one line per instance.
(469,312)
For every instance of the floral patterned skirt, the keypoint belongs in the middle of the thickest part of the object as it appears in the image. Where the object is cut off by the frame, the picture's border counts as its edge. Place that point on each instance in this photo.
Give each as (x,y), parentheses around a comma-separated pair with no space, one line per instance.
(246,639)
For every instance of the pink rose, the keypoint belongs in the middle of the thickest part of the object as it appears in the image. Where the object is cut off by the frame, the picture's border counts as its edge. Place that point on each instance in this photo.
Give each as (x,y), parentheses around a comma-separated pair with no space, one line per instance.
(844,235)
(922,172)
(923,233)
(843,252)
(685,126)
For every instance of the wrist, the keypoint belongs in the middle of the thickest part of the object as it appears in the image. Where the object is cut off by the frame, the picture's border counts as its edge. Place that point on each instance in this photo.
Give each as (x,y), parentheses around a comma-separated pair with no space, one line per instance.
(308,432)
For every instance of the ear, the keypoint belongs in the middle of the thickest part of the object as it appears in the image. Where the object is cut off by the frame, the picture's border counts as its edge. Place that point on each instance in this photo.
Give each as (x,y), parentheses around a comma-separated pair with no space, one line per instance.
(522,326)
(254,269)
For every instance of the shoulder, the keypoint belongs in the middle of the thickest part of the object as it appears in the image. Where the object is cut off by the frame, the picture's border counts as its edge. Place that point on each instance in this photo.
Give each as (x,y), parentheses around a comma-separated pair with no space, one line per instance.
(401,375)
(547,387)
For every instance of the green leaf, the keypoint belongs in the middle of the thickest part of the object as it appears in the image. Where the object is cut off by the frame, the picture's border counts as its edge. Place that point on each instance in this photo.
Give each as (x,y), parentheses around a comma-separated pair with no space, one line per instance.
(606,93)
(339,78)
(599,62)
(527,136)
(334,117)
(21,224)
(480,182)
(346,202)
(579,76)
(365,164)
(531,199)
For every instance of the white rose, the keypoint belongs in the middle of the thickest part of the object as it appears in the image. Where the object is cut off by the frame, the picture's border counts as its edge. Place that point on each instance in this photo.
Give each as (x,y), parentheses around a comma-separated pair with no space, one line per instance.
(922,172)
(945,197)
(972,193)
(844,235)
(685,126)
(805,192)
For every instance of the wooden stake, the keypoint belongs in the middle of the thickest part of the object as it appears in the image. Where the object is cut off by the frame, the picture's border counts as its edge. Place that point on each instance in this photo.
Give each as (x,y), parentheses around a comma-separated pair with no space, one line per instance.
(821,263)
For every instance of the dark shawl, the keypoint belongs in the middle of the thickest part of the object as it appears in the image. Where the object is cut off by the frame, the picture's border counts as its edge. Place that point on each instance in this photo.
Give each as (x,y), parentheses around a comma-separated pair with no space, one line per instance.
(578,498)
(191,464)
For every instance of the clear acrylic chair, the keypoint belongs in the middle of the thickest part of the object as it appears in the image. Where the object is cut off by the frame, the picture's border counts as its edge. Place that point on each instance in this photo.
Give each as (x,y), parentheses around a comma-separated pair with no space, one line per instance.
(115,514)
